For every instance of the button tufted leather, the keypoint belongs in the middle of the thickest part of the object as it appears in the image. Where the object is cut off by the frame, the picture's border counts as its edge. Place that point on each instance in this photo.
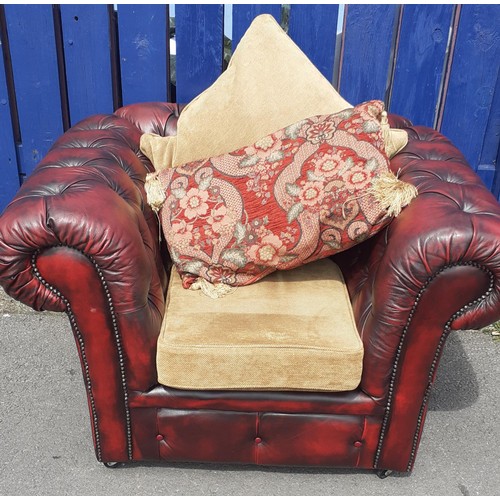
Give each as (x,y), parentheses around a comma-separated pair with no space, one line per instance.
(450,223)
(434,268)
(153,117)
(79,237)
(82,214)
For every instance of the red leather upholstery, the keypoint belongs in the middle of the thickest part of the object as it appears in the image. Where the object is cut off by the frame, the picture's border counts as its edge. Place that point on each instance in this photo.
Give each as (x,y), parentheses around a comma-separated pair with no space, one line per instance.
(80,238)
(153,117)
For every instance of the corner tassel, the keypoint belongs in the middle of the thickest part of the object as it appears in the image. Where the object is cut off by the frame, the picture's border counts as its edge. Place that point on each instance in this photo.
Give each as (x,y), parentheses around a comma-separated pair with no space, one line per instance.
(214,291)
(392,193)
(155,196)
(154,192)
(386,133)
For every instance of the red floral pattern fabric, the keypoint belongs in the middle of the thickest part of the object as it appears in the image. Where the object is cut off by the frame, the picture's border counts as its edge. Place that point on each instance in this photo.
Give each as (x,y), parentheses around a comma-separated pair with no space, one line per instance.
(294,196)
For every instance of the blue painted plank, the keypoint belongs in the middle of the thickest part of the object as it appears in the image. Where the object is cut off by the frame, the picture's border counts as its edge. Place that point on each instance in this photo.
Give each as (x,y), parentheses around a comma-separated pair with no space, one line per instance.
(420,62)
(143,52)
(87,57)
(243,15)
(34,65)
(493,138)
(473,77)
(366,53)
(487,175)
(314,29)
(199,45)
(9,175)
(489,169)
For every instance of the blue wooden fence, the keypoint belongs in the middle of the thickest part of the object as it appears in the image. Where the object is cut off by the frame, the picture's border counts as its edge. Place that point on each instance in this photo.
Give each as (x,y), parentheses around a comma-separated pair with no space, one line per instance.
(435,64)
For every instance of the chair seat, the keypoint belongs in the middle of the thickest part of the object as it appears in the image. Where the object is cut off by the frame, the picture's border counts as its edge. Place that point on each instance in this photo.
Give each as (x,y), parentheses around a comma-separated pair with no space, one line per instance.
(293,330)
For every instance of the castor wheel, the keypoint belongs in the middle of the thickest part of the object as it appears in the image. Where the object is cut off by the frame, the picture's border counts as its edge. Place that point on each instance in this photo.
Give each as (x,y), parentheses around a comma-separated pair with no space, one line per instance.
(112,465)
(383,473)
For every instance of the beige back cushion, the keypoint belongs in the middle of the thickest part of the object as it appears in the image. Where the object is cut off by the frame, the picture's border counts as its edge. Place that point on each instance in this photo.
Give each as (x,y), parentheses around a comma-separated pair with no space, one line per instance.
(269,84)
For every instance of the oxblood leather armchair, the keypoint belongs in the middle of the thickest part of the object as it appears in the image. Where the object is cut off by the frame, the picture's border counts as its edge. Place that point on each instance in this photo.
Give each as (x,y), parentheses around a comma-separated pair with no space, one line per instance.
(80,238)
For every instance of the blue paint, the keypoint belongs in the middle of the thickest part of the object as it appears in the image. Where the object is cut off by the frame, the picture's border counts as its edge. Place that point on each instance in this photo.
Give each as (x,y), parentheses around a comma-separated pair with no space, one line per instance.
(487,174)
(314,29)
(9,174)
(34,65)
(87,58)
(243,15)
(471,116)
(473,78)
(199,41)
(420,62)
(143,52)
(367,48)
(491,144)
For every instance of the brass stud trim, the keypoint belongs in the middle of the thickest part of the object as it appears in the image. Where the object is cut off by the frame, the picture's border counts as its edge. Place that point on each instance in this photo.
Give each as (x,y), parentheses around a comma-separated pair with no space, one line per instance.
(434,363)
(81,343)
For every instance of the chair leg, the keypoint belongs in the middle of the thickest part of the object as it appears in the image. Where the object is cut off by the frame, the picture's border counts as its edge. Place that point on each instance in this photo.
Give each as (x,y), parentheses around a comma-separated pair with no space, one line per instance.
(383,473)
(112,465)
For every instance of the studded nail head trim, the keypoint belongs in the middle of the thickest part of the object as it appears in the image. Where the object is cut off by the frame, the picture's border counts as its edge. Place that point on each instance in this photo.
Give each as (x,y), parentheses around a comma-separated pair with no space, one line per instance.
(434,364)
(79,337)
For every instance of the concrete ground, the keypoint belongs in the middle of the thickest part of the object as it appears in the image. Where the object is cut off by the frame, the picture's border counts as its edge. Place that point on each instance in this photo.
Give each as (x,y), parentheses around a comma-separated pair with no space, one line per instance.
(46,445)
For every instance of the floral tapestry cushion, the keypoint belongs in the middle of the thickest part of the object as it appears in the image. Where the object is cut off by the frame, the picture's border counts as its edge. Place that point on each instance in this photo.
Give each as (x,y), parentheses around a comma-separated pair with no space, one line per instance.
(303,193)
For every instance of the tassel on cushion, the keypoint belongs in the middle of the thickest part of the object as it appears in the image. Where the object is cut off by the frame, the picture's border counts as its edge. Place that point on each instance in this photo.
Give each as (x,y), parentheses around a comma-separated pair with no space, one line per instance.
(392,193)
(212,290)
(384,125)
(394,139)
(155,194)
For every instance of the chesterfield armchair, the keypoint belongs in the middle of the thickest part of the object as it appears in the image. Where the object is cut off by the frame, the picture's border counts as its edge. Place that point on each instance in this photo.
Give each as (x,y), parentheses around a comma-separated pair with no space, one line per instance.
(80,238)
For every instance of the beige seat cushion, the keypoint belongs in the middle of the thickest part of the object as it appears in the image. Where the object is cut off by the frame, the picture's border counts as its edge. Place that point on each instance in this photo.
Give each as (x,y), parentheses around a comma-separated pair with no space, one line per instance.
(293,330)
(261,91)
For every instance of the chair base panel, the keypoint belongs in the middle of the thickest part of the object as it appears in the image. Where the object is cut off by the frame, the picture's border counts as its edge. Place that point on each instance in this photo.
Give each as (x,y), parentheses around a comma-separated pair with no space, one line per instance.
(318,440)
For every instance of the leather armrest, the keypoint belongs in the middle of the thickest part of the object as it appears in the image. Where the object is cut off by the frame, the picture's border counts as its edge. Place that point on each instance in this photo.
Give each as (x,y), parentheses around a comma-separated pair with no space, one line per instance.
(456,220)
(451,229)
(86,200)
(79,237)
(436,267)
(153,117)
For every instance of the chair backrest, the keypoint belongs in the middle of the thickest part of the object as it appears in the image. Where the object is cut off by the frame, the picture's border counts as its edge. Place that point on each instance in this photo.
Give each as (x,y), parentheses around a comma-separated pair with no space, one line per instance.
(435,64)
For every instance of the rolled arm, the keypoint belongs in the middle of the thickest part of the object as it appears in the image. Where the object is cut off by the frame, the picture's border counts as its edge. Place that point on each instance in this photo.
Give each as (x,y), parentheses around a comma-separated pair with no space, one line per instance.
(79,238)
(434,268)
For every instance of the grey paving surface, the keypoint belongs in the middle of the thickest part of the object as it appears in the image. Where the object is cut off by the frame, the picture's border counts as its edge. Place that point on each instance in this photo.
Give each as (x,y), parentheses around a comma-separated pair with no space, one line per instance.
(46,446)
